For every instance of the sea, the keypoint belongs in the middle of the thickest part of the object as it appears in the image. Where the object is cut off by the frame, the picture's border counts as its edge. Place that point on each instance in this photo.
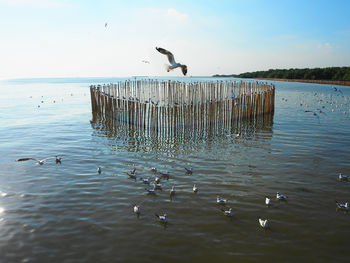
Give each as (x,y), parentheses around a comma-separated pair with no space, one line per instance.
(68,212)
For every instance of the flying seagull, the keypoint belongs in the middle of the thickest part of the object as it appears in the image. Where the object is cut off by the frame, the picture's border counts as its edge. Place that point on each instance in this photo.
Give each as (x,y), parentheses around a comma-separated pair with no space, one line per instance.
(41,162)
(264,223)
(172,61)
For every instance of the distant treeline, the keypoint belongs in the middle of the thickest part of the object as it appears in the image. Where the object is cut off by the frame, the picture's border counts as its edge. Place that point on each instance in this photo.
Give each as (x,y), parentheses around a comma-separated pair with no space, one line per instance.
(332,73)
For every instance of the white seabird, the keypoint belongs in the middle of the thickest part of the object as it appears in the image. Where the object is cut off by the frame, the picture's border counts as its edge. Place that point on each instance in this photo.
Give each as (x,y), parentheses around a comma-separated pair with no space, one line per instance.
(41,162)
(264,223)
(267,201)
(227,212)
(172,191)
(99,170)
(151,191)
(219,200)
(280,196)
(344,207)
(162,218)
(137,209)
(172,61)
(145,180)
(342,177)
(195,188)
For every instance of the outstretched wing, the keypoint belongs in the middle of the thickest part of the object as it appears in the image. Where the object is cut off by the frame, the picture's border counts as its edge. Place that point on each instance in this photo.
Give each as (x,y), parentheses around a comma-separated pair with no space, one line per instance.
(26,159)
(167,53)
(43,160)
(184,71)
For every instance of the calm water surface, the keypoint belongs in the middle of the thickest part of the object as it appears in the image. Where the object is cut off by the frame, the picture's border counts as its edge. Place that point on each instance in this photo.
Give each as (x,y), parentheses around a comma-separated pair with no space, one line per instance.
(68,213)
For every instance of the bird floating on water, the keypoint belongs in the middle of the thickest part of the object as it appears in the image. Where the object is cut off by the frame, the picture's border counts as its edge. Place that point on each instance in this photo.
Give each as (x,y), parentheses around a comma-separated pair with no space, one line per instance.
(267,201)
(151,191)
(154,169)
(99,170)
(40,162)
(342,177)
(132,175)
(280,196)
(158,187)
(157,180)
(189,170)
(219,200)
(227,211)
(145,180)
(172,190)
(344,207)
(195,189)
(172,61)
(137,209)
(264,223)
(162,218)
(165,175)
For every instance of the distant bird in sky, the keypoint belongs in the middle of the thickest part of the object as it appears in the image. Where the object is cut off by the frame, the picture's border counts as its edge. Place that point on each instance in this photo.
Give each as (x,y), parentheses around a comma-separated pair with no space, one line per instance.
(337,90)
(58,159)
(172,61)
(106,24)
(145,61)
(41,162)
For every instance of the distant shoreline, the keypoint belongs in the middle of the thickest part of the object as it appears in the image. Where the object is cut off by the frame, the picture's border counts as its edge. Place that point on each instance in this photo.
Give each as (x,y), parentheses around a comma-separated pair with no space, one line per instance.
(331,82)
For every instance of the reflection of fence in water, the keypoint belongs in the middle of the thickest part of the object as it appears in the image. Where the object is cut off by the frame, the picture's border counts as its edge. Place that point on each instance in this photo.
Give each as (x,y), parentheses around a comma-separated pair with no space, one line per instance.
(170,107)
(133,137)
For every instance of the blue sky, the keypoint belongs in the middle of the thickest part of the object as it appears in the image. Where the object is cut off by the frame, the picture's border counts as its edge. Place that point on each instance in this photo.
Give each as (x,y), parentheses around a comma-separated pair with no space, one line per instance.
(67,38)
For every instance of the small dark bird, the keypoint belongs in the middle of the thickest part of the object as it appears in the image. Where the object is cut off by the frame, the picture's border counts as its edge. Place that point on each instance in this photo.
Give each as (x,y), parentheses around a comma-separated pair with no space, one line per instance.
(58,159)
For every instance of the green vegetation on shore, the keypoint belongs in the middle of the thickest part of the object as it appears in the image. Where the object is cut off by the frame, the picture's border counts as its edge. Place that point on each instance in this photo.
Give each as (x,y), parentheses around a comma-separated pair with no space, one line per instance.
(331,73)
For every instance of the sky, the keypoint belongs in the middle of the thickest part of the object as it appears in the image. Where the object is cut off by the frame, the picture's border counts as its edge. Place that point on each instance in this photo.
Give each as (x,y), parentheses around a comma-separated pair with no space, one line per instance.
(68,38)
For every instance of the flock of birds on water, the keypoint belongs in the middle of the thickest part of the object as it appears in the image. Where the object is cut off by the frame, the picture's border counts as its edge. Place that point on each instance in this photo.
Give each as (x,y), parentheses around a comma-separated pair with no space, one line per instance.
(327,103)
(157,186)
(226,211)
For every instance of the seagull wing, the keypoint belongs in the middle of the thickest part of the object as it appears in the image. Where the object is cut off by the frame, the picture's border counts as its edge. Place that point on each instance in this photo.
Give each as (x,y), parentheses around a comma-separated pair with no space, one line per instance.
(184,69)
(26,159)
(43,160)
(168,54)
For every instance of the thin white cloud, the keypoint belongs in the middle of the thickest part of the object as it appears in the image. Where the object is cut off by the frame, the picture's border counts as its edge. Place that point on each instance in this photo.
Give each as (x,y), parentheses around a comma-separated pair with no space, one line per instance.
(175,14)
(35,3)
